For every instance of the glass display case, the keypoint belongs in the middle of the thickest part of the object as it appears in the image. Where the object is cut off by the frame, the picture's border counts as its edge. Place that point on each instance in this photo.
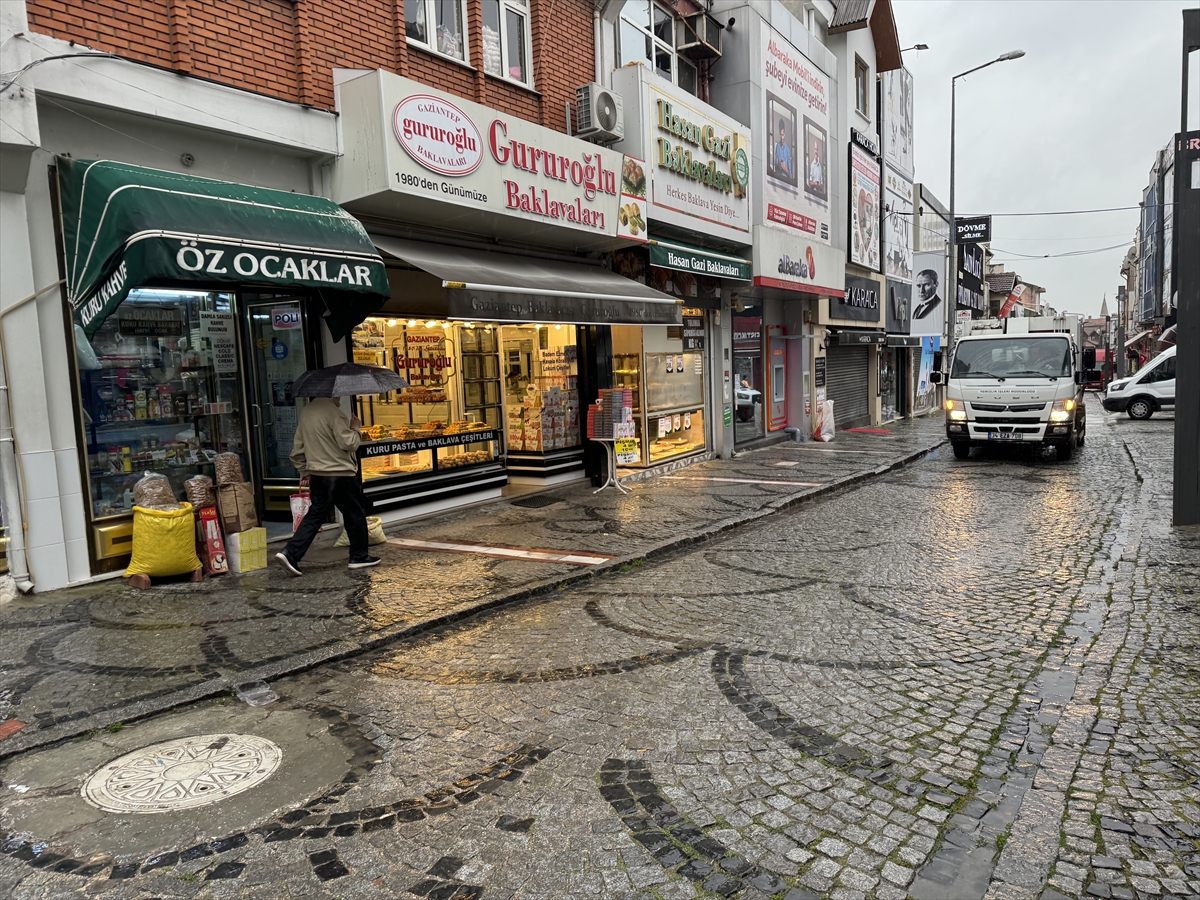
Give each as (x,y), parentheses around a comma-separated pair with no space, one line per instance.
(159,391)
(541,387)
(449,415)
(668,390)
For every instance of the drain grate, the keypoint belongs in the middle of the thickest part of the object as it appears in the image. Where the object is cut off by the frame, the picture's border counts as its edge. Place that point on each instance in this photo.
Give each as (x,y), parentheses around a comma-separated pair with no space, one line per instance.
(537,501)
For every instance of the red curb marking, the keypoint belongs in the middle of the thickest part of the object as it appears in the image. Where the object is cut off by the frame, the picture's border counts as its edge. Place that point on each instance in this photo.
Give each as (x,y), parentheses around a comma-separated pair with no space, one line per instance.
(11,727)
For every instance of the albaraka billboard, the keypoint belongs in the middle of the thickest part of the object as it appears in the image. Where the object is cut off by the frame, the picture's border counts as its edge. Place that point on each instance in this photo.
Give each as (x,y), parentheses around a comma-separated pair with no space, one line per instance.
(411,151)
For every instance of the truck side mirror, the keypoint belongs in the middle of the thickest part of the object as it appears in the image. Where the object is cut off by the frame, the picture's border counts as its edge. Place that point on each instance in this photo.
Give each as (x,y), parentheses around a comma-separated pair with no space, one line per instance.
(1089,357)
(936,377)
(1079,376)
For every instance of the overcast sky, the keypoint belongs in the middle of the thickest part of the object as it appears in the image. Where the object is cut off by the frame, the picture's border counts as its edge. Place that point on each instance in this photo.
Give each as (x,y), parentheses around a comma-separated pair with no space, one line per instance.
(1074,124)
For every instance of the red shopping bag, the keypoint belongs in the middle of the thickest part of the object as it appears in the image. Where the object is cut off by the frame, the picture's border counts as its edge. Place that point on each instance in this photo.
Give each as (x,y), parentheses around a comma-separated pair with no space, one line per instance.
(300,505)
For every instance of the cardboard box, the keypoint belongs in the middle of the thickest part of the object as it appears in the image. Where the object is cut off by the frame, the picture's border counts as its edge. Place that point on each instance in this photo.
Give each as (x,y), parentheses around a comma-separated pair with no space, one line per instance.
(237,507)
(210,545)
(246,560)
(244,541)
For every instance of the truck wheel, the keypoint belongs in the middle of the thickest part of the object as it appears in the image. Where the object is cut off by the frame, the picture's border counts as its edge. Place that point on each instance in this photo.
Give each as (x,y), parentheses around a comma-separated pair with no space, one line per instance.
(1064,451)
(1140,408)
(961,449)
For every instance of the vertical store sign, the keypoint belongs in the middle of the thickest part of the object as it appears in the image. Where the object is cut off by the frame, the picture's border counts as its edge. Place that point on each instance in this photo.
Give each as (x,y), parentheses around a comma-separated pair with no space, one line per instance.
(970,277)
(898,121)
(864,208)
(898,228)
(796,152)
(218,328)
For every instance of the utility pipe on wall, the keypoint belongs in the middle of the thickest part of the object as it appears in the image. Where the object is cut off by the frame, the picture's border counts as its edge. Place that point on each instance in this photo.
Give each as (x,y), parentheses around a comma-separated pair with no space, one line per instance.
(10,471)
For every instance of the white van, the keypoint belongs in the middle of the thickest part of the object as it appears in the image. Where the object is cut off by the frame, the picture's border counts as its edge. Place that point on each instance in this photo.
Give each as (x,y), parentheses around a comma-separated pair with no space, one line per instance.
(1143,394)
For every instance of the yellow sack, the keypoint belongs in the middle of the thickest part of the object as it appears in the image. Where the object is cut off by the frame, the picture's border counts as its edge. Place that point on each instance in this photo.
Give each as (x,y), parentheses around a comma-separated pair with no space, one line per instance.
(164,542)
(375,533)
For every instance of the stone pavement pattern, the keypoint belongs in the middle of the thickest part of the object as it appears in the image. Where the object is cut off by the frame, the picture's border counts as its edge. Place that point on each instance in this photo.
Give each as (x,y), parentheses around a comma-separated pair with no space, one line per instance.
(959,679)
(82,659)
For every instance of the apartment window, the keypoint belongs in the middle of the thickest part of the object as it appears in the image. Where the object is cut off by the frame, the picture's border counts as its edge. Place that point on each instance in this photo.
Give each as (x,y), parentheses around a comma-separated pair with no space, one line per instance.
(862,87)
(646,35)
(506,49)
(437,24)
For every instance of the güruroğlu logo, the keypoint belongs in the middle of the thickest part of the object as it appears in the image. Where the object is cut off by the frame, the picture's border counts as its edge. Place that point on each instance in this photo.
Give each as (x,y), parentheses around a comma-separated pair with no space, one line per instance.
(438,135)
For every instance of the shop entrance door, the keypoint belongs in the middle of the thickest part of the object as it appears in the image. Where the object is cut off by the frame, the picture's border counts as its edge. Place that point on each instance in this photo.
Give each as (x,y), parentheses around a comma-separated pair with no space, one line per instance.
(279,354)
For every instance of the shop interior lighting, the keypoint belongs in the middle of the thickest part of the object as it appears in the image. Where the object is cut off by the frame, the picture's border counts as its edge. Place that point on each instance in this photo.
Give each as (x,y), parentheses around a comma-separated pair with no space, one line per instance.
(549,292)
(391,323)
(412,323)
(431,324)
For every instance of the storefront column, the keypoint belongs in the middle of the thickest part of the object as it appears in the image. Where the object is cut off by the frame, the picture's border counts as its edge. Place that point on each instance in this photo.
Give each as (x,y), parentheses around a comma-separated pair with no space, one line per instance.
(49,499)
(595,372)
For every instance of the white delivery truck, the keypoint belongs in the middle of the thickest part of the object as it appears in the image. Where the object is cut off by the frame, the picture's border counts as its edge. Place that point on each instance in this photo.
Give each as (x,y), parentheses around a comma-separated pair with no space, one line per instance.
(1020,381)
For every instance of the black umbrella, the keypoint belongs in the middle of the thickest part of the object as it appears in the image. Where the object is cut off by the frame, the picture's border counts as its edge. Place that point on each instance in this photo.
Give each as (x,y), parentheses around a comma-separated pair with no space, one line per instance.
(347,380)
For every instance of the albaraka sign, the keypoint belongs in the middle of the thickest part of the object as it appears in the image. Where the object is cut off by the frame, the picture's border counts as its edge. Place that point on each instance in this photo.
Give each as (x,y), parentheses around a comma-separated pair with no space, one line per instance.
(436,147)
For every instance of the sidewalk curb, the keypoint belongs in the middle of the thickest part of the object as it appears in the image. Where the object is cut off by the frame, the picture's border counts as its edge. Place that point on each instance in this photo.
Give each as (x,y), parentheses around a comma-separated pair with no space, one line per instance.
(345,649)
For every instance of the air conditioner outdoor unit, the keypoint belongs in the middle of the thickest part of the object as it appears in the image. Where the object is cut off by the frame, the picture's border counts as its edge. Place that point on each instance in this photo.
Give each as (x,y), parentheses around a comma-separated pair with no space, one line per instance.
(699,36)
(599,112)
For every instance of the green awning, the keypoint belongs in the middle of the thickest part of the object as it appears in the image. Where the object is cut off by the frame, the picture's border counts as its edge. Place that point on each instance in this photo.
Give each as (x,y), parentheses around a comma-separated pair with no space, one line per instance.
(126,227)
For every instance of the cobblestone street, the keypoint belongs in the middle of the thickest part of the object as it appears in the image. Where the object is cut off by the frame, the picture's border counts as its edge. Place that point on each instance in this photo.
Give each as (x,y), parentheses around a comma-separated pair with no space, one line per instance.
(951,679)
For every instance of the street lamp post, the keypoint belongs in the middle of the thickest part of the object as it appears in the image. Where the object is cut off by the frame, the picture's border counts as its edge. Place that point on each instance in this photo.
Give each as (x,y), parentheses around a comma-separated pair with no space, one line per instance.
(952,299)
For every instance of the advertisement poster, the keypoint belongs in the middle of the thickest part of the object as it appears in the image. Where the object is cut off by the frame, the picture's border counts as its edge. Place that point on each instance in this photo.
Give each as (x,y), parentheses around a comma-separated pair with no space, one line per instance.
(864,209)
(796,115)
(631,217)
(1014,300)
(926,392)
(970,278)
(898,228)
(929,293)
(898,121)
(899,306)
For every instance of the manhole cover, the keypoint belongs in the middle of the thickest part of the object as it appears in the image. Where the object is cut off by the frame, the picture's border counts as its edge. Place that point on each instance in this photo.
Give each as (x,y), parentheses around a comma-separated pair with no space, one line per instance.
(537,501)
(182,773)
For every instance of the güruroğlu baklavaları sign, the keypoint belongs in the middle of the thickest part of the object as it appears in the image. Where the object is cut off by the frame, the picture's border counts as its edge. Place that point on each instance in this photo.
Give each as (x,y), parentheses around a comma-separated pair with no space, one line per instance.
(437,147)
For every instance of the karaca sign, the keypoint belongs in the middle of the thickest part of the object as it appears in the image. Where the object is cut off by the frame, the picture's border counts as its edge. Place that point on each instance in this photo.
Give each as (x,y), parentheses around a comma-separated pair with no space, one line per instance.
(456,151)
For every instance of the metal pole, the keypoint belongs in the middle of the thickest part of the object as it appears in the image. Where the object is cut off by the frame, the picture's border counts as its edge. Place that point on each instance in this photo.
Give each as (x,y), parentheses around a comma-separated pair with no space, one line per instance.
(952,294)
(1185,501)
(1120,348)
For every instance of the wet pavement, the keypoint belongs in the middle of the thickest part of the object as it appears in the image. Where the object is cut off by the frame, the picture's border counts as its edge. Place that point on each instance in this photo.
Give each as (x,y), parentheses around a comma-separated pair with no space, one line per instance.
(956,679)
(80,660)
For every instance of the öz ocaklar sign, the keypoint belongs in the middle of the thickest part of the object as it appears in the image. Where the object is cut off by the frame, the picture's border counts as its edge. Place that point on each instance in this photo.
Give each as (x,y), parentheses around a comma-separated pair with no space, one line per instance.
(442,148)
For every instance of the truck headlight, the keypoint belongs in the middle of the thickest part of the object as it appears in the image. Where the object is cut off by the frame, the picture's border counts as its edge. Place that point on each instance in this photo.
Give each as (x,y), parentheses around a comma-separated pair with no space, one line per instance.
(1061,411)
(958,415)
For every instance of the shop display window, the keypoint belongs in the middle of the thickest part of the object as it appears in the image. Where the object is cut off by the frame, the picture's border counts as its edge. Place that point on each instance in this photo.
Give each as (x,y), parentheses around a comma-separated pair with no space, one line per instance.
(749,381)
(541,387)
(453,394)
(159,387)
(668,390)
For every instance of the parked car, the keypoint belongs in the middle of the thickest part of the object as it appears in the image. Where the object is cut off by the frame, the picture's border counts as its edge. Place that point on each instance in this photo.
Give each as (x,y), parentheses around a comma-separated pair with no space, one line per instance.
(1144,394)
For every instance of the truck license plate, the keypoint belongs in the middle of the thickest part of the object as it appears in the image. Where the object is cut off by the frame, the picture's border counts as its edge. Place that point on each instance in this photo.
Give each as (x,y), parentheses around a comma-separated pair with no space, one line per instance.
(1003,436)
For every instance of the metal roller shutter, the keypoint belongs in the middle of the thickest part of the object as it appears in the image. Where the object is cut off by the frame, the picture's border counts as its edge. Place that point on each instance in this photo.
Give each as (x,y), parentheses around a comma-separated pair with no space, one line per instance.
(848,385)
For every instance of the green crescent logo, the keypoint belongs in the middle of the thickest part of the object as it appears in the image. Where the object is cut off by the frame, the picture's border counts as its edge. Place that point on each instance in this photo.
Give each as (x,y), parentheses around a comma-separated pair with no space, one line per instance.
(741,168)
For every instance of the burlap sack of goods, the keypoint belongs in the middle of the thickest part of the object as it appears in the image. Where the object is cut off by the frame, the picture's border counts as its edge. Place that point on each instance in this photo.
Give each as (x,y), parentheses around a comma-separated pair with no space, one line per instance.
(153,491)
(238,511)
(228,467)
(164,542)
(200,492)
(375,533)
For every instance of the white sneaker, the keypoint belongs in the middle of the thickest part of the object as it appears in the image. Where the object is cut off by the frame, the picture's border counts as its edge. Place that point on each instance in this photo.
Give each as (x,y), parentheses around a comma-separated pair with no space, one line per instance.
(288,564)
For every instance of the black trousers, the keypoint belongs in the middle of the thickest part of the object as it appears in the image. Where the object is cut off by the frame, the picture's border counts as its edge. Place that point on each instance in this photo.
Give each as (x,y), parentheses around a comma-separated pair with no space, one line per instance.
(344,492)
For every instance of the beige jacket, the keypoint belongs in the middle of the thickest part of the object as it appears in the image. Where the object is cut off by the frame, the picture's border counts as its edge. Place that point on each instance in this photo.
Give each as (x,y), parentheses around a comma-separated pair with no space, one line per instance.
(325,444)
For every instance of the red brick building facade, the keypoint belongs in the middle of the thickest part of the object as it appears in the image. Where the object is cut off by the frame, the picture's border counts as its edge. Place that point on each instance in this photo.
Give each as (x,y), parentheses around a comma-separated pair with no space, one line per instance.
(288,48)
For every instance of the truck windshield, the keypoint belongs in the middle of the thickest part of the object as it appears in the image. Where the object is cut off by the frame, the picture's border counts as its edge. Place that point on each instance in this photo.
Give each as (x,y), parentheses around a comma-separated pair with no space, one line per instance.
(1013,357)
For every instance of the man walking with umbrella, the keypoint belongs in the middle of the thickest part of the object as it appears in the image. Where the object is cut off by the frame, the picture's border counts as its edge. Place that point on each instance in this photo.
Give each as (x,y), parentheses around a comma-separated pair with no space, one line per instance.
(325,453)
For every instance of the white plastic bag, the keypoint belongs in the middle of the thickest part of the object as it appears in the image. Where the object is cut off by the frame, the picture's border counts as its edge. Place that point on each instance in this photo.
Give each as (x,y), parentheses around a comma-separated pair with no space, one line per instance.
(825,425)
(300,504)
